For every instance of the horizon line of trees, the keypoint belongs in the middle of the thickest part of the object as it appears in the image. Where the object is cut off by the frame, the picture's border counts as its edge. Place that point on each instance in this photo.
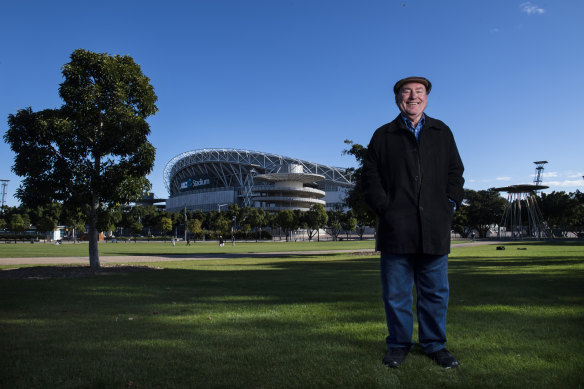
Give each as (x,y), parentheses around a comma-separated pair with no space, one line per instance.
(246,222)
(479,212)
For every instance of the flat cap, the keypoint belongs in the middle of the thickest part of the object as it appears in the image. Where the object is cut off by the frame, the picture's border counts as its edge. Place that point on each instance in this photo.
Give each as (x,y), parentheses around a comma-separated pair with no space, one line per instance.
(421,80)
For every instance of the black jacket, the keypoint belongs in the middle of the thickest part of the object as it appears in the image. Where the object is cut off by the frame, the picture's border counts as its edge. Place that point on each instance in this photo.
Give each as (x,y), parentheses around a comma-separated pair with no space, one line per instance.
(408,183)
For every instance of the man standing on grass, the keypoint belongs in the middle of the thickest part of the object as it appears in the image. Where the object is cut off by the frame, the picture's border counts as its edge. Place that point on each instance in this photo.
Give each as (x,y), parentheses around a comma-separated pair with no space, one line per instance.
(412,179)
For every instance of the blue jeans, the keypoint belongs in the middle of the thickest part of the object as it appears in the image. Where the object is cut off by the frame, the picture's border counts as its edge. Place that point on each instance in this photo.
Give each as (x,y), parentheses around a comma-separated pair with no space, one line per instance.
(430,275)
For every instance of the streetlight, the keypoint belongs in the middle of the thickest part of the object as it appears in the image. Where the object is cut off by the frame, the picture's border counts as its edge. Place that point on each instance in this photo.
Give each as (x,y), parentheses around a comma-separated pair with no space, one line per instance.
(185,224)
(233,230)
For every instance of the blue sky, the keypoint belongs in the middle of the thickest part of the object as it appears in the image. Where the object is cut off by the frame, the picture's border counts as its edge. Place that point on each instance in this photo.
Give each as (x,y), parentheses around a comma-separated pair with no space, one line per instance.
(298,77)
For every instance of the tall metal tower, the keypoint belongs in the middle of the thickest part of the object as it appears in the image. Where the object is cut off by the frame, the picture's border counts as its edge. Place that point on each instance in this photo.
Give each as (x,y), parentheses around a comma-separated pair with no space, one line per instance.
(539,172)
(4,185)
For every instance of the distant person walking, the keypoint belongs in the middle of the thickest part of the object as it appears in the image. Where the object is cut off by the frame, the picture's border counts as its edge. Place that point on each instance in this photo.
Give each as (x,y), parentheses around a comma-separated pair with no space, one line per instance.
(221,241)
(412,179)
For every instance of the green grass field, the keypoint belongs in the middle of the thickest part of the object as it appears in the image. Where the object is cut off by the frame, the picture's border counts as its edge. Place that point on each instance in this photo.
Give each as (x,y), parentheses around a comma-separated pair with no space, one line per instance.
(516,319)
(23,250)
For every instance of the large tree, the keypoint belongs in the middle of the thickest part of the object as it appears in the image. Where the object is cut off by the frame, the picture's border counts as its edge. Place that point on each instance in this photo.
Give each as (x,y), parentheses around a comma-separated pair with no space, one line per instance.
(92,152)
(194,227)
(349,223)
(563,211)
(315,218)
(287,220)
(257,219)
(18,223)
(355,198)
(335,217)
(481,210)
(165,224)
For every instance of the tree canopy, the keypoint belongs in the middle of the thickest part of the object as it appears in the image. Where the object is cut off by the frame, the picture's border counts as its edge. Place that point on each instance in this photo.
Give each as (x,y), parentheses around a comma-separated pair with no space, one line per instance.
(355,198)
(563,211)
(93,151)
(479,211)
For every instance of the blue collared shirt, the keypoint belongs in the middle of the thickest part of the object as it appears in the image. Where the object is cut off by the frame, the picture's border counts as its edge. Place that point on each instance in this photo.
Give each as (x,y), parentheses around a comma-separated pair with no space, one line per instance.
(415,130)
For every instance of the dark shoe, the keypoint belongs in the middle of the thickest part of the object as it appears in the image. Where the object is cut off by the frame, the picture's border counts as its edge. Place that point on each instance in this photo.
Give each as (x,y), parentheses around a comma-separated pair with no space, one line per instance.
(395,356)
(444,358)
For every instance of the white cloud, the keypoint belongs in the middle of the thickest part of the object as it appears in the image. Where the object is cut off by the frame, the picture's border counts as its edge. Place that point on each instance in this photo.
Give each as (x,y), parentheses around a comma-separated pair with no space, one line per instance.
(565,183)
(531,9)
(503,178)
(574,175)
(494,30)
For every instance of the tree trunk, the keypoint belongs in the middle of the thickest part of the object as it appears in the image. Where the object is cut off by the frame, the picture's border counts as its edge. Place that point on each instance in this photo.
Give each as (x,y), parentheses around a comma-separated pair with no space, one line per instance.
(93,249)
(94,207)
(93,235)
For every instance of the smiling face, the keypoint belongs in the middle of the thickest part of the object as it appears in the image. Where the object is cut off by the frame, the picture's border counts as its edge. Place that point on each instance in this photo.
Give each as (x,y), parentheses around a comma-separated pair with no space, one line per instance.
(411,101)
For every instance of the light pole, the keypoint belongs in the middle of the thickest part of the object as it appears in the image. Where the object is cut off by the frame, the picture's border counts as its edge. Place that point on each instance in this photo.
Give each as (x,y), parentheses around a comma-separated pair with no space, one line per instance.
(185,224)
(233,231)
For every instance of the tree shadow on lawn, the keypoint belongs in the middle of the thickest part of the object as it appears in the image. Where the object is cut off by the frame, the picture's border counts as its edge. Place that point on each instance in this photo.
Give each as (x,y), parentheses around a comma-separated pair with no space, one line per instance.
(297,282)
(290,323)
(480,263)
(517,280)
(553,242)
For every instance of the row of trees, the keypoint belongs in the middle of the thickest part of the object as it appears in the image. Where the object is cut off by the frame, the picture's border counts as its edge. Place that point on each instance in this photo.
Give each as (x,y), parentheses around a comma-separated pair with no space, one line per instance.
(480,211)
(564,211)
(151,221)
(44,218)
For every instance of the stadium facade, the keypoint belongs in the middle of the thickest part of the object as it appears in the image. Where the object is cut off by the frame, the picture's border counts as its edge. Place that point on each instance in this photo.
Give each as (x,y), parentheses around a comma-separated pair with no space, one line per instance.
(209,179)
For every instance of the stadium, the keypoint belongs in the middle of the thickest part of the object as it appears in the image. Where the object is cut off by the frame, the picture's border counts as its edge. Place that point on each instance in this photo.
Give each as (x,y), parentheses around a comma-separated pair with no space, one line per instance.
(209,179)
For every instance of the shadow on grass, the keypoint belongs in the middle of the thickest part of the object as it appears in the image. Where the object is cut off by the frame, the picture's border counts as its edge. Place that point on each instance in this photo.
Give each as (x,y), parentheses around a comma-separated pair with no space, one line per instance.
(279,323)
(224,255)
(480,263)
(553,242)
(268,327)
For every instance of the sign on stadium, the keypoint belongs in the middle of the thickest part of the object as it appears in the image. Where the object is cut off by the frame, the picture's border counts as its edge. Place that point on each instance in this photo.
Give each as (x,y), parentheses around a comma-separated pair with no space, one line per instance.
(192,183)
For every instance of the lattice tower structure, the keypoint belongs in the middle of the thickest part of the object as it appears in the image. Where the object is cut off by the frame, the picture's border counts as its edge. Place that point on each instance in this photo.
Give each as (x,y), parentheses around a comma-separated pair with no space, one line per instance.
(4,185)
(539,166)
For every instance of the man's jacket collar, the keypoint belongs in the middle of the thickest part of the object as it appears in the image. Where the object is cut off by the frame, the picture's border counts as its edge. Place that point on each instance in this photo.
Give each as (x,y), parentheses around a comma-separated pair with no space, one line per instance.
(430,123)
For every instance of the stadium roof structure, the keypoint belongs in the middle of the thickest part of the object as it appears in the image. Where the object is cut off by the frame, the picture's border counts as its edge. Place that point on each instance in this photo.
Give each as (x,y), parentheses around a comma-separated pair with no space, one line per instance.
(234,164)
